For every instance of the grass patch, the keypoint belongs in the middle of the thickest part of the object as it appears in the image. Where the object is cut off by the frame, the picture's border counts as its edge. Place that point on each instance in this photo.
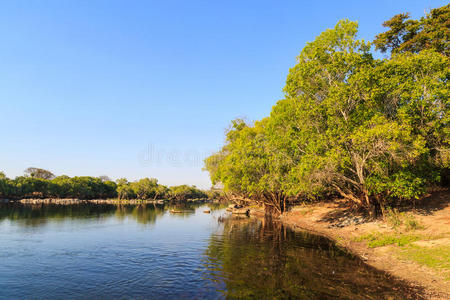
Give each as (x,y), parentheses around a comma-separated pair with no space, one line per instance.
(436,257)
(379,240)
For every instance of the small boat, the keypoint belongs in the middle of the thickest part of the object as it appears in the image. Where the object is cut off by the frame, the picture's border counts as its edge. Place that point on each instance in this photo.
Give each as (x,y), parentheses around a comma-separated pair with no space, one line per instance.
(207,211)
(173,211)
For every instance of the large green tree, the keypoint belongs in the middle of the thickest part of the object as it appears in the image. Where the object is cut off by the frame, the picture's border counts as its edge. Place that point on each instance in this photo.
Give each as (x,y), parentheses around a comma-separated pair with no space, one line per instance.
(249,168)
(185,192)
(405,35)
(371,131)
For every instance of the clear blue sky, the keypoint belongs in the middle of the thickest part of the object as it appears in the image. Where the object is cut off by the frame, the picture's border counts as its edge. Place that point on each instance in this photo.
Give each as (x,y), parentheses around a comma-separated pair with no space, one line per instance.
(146,88)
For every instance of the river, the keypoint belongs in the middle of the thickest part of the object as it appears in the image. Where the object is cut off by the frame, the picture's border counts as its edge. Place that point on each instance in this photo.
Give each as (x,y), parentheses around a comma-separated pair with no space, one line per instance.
(87,251)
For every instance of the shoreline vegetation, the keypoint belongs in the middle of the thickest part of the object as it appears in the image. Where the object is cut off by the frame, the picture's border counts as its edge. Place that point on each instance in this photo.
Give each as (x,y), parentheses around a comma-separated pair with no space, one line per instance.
(358,149)
(40,185)
(374,132)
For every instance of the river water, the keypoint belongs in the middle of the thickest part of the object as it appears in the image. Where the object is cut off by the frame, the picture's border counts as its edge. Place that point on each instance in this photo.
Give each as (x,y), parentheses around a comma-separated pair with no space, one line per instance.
(146,252)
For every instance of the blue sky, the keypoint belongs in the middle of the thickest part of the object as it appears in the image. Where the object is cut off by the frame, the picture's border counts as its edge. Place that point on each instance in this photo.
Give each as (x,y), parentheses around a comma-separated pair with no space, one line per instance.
(147,88)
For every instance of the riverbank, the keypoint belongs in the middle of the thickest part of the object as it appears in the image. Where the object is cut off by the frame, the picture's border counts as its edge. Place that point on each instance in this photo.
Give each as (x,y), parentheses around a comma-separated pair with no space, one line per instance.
(413,245)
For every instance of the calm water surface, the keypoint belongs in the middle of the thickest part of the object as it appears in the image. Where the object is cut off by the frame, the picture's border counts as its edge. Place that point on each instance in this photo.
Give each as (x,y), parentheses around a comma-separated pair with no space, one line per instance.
(107,251)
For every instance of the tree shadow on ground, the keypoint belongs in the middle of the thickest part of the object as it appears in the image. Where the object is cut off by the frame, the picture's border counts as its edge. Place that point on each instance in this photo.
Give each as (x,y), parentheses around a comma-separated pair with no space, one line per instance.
(433,202)
(344,215)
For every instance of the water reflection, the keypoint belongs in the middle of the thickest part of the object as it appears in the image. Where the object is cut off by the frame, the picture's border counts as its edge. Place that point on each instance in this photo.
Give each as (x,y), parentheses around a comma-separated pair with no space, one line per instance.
(40,214)
(143,214)
(255,259)
(103,251)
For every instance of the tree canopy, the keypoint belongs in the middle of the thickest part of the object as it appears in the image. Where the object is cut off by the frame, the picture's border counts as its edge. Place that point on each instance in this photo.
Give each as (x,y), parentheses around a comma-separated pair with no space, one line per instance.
(374,132)
(87,187)
(405,35)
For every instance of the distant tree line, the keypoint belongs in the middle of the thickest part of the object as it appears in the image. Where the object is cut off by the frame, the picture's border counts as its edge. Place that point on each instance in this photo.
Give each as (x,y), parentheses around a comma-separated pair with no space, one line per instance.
(148,188)
(372,131)
(40,183)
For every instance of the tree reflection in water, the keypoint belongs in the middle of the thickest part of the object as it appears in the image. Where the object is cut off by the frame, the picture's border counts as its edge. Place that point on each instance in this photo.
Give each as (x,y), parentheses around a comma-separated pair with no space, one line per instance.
(41,214)
(260,259)
(243,258)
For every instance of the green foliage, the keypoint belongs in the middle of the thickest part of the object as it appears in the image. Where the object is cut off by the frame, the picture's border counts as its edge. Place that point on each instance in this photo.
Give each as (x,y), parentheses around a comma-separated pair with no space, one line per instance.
(86,187)
(31,187)
(248,167)
(430,32)
(215,193)
(374,132)
(7,187)
(146,188)
(379,240)
(125,191)
(184,192)
(436,257)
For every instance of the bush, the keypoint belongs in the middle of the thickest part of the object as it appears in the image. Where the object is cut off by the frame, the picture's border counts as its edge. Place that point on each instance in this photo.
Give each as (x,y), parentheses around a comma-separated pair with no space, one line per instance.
(396,219)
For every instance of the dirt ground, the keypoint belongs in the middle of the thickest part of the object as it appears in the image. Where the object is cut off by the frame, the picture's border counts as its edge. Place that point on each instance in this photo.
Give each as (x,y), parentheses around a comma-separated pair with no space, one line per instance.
(348,230)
